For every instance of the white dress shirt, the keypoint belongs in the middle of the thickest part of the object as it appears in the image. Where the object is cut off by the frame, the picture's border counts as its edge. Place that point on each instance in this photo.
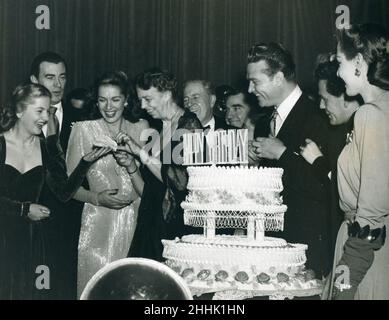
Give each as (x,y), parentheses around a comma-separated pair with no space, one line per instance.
(58,114)
(286,107)
(211,124)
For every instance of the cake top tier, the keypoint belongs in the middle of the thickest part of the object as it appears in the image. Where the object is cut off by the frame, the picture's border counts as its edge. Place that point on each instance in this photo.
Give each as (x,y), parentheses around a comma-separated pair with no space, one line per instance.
(239,178)
(216,147)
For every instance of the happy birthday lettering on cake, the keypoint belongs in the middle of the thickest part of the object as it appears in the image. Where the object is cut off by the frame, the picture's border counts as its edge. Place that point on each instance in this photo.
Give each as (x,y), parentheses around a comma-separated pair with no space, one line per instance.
(216,147)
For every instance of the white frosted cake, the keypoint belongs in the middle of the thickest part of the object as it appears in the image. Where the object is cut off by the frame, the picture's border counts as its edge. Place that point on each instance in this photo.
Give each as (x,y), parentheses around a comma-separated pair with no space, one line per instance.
(235,197)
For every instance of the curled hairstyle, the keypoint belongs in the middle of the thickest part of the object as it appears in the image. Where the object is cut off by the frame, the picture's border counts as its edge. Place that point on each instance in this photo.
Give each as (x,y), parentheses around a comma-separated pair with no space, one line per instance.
(276,57)
(328,71)
(335,86)
(22,96)
(371,41)
(48,56)
(160,79)
(117,79)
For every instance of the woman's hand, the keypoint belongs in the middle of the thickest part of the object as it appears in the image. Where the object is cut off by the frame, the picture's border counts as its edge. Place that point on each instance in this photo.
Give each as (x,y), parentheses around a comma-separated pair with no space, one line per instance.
(310,152)
(127,144)
(38,212)
(96,154)
(108,199)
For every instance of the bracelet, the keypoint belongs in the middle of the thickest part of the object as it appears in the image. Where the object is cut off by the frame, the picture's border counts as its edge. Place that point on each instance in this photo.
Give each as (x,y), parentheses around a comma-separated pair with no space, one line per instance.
(136,167)
(131,173)
(374,236)
(25,209)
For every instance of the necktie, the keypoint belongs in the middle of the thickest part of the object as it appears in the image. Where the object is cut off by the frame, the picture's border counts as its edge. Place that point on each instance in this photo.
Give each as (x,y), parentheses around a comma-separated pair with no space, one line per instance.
(52,123)
(273,123)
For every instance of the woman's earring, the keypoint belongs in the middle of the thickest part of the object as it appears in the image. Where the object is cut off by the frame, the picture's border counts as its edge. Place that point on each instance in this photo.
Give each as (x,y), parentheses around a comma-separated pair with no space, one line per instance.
(357,72)
(126,104)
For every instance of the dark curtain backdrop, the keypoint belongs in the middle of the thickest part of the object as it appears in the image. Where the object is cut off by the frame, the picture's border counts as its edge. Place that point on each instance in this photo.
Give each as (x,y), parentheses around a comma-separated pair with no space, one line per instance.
(192,38)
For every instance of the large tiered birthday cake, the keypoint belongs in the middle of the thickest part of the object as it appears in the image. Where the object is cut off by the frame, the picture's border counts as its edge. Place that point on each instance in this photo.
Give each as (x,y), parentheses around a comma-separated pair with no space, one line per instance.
(235,197)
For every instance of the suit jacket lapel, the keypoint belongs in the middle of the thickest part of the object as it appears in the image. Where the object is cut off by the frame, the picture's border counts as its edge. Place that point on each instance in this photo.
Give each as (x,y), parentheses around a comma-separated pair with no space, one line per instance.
(293,122)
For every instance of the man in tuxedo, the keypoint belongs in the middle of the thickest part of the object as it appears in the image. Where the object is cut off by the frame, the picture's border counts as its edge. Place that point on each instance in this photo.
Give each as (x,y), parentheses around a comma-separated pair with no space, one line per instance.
(278,138)
(49,70)
(199,97)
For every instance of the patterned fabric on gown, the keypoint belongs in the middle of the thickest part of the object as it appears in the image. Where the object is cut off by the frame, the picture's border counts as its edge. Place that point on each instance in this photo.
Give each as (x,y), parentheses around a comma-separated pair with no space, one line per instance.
(106,234)
(153,223)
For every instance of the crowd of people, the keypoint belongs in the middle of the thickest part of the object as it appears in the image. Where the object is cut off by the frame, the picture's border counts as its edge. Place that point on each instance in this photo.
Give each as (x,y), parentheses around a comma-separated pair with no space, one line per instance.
(75,206)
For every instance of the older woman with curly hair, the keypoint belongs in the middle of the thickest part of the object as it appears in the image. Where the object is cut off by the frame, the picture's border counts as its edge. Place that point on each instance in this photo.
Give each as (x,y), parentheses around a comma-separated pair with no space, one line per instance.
(160,215)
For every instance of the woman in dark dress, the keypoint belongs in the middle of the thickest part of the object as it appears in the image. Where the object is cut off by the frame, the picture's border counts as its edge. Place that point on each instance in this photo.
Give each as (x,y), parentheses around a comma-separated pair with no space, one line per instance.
(160,215)
(26,161)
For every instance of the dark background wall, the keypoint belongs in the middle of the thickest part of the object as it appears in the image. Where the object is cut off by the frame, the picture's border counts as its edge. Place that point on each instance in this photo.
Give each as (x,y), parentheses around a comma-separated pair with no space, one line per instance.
(192,38)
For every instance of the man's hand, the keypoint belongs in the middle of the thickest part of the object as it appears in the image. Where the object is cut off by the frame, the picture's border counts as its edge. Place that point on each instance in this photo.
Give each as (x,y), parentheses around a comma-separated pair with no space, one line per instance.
(253,158)
(268,148)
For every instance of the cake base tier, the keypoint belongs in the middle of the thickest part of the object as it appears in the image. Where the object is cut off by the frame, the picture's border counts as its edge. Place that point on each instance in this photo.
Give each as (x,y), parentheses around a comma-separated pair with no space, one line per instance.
(313,288)
(231,264)
(235,256)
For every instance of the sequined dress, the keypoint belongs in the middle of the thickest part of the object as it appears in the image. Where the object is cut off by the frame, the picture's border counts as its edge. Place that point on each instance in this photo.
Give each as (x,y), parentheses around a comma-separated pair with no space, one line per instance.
(106,234)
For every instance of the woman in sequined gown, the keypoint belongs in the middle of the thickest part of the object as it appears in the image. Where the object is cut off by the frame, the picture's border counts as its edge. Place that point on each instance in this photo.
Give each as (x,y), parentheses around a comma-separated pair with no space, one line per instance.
(110,211)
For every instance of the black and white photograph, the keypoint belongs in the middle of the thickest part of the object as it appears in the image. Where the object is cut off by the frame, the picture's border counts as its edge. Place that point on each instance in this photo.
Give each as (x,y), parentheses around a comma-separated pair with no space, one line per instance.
(197,150)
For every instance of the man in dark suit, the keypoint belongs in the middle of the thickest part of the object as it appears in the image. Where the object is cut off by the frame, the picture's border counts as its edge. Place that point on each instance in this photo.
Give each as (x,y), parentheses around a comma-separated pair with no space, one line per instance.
(200,98)
(49,70)
(278,138)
